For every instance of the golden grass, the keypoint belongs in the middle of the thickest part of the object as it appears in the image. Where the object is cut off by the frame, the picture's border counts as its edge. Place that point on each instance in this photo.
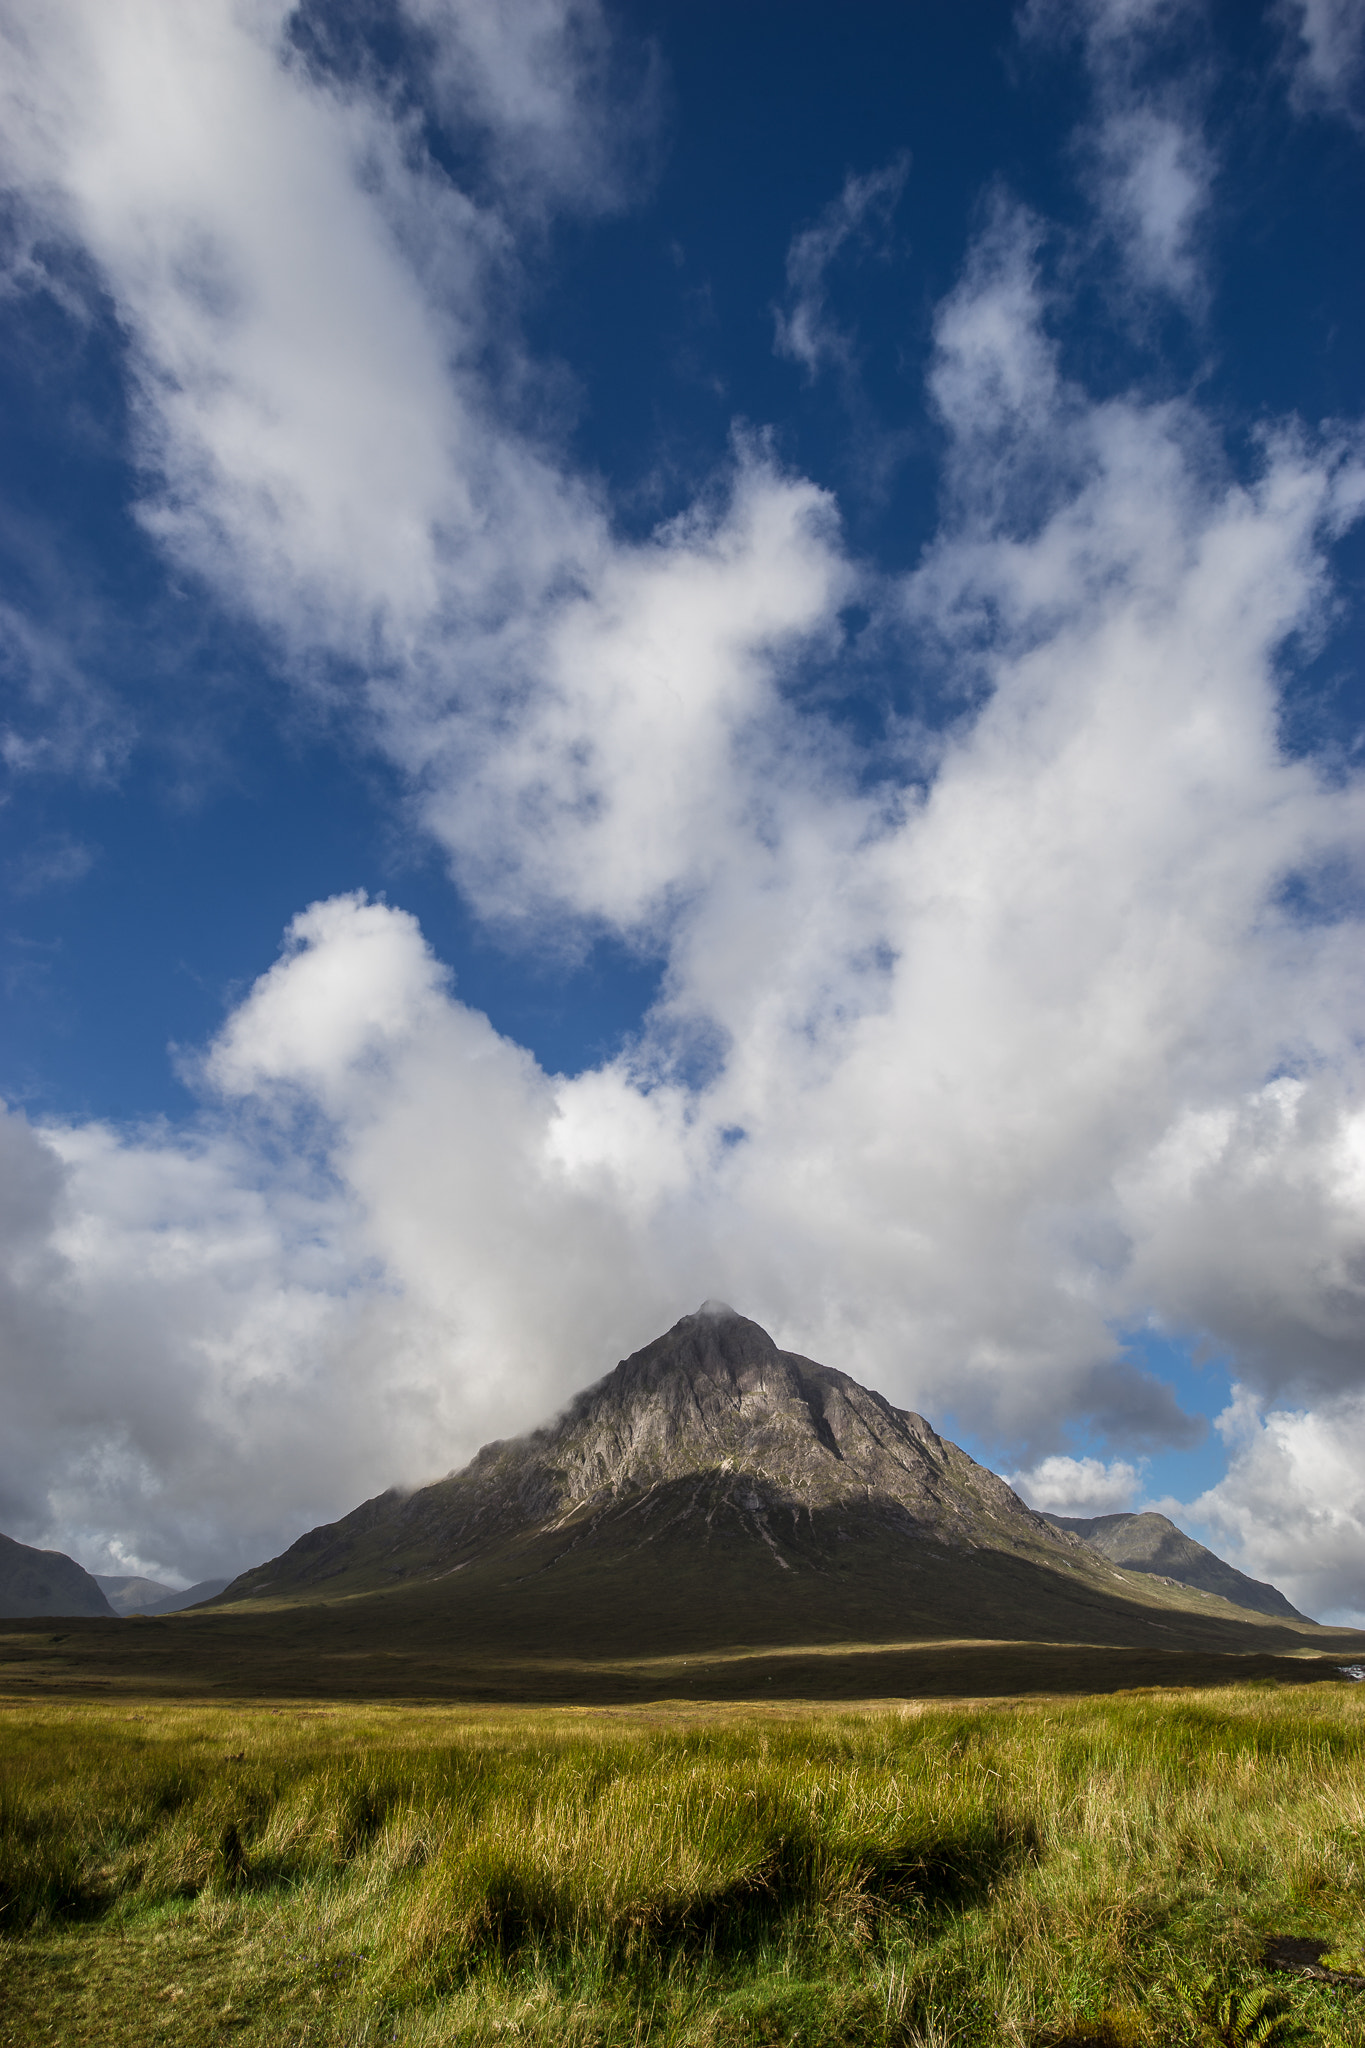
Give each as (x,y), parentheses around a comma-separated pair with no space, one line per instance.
(1015,1872)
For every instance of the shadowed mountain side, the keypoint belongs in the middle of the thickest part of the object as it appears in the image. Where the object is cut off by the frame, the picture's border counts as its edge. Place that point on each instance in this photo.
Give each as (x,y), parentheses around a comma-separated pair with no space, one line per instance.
(45,1582)
(641,1581)
(1152,1543)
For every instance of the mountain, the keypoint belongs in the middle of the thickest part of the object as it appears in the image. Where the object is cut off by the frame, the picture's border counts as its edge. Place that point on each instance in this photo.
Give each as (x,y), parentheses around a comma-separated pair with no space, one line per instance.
(1151,1543)
(45,1582)
(153,1596)
(715,1490)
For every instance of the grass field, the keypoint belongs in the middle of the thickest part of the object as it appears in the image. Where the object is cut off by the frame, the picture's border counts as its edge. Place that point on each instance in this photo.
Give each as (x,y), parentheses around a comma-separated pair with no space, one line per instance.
(1027,1872)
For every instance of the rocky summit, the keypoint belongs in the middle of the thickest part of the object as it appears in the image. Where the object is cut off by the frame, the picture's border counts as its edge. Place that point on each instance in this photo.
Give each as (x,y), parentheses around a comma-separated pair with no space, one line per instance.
(715,1490)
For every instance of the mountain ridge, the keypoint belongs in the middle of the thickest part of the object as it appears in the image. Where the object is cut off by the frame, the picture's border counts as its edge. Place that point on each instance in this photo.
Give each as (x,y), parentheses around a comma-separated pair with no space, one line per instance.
(1151,1542)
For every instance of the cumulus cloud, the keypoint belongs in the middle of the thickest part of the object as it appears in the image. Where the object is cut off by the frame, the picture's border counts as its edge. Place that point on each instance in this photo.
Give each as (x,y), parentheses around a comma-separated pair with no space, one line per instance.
(950,1078)
(1080,1486)
(395,1239)
(1291,1507)
(651,733)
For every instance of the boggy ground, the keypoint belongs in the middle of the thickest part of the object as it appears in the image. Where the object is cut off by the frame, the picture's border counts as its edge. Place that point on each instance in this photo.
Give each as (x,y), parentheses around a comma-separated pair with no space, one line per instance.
(1016,1871)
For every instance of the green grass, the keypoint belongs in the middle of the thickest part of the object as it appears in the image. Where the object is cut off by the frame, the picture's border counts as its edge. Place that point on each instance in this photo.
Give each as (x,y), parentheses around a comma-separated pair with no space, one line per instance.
(1101,1871)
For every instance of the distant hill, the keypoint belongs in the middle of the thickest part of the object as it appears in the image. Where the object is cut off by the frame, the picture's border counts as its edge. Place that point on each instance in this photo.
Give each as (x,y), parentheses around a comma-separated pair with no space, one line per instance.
(176,1603)
(132,1595)
(153,1596)
(45,1582)
(1152,1543)
(715,1490)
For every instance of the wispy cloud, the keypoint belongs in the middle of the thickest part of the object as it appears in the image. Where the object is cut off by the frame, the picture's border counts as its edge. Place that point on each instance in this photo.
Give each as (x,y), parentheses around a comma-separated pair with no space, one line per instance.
(567,111)
(53,861)
(57,719)
(1149,170)
(861,216)
(1326,57)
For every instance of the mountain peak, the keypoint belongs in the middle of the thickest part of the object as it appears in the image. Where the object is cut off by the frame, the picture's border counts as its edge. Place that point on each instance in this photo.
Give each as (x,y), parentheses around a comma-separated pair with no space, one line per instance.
(712,1433)
(715,1488)
(715,1394)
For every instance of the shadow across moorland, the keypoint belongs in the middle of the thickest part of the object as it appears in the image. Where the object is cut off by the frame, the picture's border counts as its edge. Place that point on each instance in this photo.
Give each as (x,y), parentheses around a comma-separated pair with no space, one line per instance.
(300,1654)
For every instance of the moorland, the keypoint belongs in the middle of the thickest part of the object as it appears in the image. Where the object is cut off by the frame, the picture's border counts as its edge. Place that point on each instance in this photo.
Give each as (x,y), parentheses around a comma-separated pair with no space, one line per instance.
(1023,1871)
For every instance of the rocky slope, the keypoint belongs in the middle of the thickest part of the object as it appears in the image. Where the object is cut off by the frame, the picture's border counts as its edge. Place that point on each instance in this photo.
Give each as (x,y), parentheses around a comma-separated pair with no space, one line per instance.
(1152,1543)
(45,1582)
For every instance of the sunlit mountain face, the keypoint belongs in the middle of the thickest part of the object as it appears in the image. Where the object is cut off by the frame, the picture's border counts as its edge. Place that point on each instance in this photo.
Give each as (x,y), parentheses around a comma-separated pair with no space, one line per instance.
(655,652)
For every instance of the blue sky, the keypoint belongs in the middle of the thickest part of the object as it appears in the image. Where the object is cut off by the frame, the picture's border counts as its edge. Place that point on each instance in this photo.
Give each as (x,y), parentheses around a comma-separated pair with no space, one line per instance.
(660,651)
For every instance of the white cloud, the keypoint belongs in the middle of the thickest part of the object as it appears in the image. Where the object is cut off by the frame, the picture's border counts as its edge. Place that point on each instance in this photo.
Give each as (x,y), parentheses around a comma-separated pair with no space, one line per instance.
(632,769)
(354,981)
(301,317)
(229,1334)
(1156,175)
(1080,1486)
(321,450)
(1291,1508)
